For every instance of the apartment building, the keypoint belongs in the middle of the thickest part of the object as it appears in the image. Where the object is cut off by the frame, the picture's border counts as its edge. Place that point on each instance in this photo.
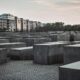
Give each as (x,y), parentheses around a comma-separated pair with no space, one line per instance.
(13,23)
(7,21)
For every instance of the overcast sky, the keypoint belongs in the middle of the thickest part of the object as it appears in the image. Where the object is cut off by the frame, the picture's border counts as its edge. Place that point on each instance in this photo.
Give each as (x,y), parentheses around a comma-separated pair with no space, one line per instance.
(67,11)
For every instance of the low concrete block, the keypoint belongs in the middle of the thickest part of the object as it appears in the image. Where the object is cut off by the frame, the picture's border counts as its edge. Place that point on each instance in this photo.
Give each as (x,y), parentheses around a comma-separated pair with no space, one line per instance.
(71,53)
(23,53)
(4,41)
(32,41)
(12,45)
(70,71)
(49,53)
(63,36)
(53,37)
(3,55)
(16,39)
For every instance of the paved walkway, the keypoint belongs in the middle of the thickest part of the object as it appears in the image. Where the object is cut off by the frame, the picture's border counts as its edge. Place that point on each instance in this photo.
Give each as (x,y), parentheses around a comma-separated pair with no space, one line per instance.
(26,70)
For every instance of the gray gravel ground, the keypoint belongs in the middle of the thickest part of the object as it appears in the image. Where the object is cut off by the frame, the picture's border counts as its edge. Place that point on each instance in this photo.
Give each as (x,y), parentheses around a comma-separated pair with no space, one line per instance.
(26,70)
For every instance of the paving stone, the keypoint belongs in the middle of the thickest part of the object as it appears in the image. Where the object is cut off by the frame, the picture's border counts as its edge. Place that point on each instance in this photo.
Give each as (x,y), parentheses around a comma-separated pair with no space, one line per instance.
(26,70)
(70,71)
(49,53)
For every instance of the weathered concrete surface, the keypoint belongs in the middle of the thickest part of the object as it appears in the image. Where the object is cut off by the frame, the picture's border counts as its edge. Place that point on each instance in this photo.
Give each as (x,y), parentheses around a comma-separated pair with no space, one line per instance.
(32,41)
(23,53)
(70,71)
(4,40)
(63,36)
(53,37)
(77,36)
(71,53)
(19,39)
(3,55)
(49,53)
(26,70)
(12,45)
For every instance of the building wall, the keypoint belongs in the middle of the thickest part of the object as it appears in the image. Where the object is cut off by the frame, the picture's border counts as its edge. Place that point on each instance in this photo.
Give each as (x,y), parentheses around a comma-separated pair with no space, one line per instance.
(29,25)
(34,24)
(24,25)
(3,23)
(18,24)
(14,23)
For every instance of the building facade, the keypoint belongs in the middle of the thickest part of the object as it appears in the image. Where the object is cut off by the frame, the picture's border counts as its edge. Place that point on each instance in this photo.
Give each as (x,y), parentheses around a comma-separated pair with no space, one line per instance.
(7,21)
(13,23)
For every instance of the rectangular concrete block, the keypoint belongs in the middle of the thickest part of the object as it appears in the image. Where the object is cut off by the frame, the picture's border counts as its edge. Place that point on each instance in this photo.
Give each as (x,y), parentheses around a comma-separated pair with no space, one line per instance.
(4,40)
(49,53)
(23,53)
(3,55)
(32,41)
(16,40)
(71,53)
(53,37)
(70,71)
(63,36)
(11,45)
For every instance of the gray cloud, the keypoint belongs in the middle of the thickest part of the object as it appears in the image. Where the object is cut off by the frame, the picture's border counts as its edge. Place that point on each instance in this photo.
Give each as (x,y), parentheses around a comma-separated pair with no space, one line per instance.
(43,10)
(67,2)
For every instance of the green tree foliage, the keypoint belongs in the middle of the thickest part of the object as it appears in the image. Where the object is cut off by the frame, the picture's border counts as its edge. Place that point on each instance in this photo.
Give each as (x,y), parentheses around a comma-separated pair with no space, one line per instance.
(58,26)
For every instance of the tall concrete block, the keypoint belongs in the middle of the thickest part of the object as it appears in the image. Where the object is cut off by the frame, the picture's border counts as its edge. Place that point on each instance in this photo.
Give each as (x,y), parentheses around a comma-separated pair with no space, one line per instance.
(23,53)
(71,53)
(49,53)
(70,71)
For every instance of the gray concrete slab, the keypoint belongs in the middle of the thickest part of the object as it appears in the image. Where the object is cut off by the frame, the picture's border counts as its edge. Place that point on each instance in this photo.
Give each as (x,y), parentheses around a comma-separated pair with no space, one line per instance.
(12,45)
(49,53)
(32,41)
(4,40)
(71,53)
(63,36)
(53,37)
(23,53)
(3,55)
(70,71)
(19,39)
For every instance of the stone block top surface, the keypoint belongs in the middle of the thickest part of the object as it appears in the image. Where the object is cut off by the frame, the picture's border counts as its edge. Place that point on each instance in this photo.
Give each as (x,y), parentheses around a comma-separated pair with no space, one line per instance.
(22,48)
(2,49)
(12,43)
(37,38)
(75,45)
(53,43)
(3,39)
(75,65)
